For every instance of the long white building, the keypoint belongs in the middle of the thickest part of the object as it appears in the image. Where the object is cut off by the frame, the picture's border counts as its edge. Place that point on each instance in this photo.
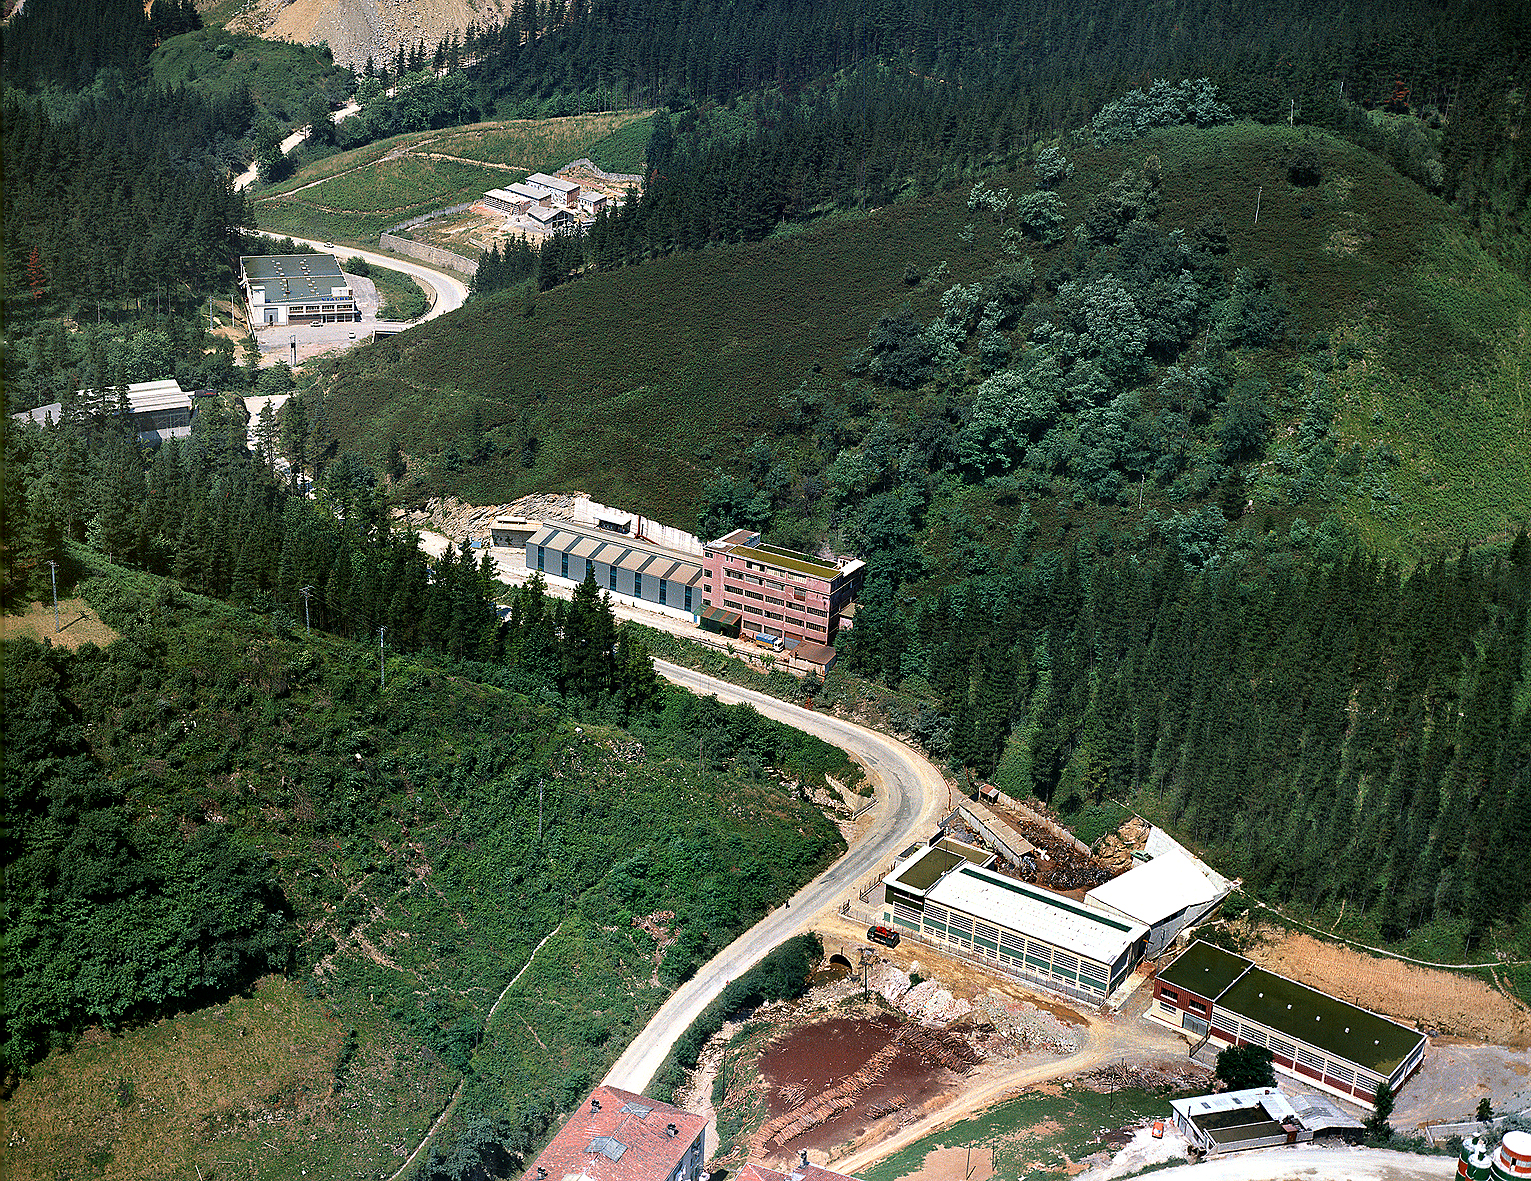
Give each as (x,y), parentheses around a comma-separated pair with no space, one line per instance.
(950,897)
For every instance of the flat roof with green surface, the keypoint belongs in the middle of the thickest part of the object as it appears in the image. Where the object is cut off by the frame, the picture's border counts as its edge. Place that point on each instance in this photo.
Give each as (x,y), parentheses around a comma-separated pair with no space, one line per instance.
(1205,970)
(1325,1022)
(924,870)
(786,559)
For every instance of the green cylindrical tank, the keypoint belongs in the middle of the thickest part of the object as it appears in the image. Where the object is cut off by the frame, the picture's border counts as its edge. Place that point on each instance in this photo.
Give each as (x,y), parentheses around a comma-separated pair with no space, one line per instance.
(1476,1161)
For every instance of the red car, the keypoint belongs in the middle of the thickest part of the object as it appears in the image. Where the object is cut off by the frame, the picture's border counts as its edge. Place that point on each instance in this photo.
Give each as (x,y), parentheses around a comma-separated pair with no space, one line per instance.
(887,936)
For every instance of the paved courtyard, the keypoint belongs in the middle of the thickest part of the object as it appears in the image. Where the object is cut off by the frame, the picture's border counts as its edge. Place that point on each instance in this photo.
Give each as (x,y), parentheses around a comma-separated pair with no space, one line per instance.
(312,339)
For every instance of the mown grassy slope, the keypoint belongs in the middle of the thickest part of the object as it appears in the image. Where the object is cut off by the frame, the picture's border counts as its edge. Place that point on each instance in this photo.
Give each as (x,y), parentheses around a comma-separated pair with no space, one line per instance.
(353,196)
(638,383)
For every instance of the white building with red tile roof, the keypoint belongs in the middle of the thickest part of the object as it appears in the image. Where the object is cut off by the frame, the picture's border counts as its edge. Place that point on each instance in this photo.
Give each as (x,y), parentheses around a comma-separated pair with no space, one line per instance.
(617,1135)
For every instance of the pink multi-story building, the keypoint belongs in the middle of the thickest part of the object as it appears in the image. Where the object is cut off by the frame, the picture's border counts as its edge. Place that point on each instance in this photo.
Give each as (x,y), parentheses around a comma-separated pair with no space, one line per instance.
(770,591)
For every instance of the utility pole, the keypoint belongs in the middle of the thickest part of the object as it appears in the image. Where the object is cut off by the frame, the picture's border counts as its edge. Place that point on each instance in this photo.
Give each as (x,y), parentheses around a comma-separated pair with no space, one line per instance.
(1258,191)
(53,571)
(305,591)
(1291,115)
(539,809)
(382,669)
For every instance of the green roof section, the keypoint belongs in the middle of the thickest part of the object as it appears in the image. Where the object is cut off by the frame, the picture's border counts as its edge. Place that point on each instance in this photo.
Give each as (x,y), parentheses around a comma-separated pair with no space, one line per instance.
(292,266)
(926,869)
(787,560)
(1323,1021)
(1205,970)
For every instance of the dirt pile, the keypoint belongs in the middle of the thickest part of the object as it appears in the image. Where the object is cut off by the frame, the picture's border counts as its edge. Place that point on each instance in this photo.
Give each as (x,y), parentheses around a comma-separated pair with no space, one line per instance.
(1115,849)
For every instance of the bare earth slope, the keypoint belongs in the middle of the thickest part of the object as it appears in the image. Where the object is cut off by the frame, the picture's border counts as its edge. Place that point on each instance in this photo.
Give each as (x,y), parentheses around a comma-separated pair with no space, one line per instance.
(358,29)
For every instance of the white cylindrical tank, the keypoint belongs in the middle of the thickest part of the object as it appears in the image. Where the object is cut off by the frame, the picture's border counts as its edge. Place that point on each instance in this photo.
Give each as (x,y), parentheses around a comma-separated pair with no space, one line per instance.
(1513,1160)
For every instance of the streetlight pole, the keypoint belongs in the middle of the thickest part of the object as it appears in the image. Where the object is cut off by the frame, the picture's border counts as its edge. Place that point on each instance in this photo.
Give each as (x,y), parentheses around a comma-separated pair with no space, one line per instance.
(54,572)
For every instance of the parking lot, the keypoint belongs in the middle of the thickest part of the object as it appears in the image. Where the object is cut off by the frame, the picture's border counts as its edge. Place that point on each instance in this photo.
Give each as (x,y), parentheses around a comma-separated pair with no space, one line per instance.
(276,342)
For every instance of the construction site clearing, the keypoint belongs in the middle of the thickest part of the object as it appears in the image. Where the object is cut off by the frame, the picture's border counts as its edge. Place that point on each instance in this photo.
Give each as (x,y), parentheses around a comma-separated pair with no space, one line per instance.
(470,232)
(872,1050)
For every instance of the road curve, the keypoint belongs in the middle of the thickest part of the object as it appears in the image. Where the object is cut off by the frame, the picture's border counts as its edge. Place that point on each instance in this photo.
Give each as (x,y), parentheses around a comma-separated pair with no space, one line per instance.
(912,794)
(451,293)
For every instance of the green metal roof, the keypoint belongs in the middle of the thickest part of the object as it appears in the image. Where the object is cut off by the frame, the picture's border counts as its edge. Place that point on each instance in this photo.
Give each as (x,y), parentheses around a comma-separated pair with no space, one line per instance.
(786,559)
(1323,1021)
(1205,970)
(922,872)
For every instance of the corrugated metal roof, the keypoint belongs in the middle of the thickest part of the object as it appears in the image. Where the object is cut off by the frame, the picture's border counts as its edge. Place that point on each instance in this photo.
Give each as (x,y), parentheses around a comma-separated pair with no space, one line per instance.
(1156,889)
(635,560)
(585,547)
(543,535)
(1061,921)
(610,553)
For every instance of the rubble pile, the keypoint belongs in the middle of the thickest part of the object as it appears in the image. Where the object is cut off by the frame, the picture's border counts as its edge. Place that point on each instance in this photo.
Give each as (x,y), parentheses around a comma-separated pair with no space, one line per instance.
(928,1001)
(449,516)
(1150,1076)
(1115,849)
(1034,1028)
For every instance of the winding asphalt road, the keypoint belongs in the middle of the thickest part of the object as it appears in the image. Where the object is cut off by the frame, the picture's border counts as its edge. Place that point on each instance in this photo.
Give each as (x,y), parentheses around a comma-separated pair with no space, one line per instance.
(451,293)
(911,791)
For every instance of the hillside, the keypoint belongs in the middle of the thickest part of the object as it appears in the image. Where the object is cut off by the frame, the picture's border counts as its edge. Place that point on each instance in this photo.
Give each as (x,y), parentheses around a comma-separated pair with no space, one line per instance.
(225,778)
(358,29)
(640,384)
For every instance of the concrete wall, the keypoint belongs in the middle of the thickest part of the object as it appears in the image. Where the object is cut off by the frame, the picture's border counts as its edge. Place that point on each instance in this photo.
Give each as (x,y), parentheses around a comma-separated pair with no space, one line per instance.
(431,254)
(623,178)
(589,512)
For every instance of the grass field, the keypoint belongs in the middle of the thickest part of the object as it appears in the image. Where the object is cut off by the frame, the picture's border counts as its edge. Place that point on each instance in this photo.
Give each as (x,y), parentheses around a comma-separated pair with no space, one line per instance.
(1041,1133)
(362,192)
(237,1089)
(641,383)
(355,207)
(77,624)
(400,296)
(615,141)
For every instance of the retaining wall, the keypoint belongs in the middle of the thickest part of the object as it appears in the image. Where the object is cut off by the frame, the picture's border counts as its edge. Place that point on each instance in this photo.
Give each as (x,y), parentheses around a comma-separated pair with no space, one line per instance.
(626,178)
(430,254)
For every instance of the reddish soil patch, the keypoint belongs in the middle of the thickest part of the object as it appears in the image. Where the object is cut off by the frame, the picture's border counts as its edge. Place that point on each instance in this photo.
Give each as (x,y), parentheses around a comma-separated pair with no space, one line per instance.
(842,1075)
